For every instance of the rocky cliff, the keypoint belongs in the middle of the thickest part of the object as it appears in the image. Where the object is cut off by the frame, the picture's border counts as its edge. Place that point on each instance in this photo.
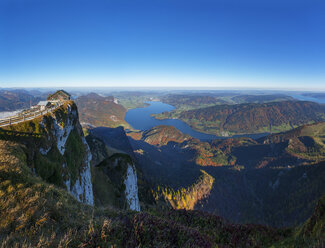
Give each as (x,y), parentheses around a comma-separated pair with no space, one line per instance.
(57,150)
(115,179)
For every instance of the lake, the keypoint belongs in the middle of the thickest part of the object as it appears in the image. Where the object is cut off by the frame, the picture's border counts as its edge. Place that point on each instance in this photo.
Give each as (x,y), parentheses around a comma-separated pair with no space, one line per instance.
(308,98)
(141,119)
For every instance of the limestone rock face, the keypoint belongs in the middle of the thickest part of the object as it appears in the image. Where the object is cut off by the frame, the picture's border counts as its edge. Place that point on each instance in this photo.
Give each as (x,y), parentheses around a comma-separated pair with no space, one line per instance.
(60,154)
(77,181)
(131,188)
(115,177)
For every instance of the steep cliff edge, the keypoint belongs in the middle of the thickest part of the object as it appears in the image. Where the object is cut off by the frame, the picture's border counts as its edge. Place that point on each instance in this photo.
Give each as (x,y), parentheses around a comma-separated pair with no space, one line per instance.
(131,188)
(57,150)
(115,180)
(115,183)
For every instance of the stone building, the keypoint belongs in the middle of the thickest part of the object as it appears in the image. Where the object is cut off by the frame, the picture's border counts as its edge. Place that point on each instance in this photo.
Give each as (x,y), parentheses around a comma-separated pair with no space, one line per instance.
(42,105)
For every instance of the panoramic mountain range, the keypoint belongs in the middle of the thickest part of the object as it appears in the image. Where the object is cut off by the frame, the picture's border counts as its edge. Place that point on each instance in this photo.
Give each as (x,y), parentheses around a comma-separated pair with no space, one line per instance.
(81,176)
(19,99)
(197,100)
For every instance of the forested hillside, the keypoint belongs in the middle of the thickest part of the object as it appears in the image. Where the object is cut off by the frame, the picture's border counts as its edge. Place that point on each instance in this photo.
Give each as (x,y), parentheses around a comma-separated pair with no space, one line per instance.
(96,110)
(248,118)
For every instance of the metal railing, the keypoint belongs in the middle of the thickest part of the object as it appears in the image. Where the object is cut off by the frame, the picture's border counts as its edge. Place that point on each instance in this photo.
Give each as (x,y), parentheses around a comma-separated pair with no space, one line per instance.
(29,115)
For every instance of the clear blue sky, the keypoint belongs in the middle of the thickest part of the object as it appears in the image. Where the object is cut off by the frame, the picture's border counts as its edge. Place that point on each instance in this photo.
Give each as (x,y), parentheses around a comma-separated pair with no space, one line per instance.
(244,43)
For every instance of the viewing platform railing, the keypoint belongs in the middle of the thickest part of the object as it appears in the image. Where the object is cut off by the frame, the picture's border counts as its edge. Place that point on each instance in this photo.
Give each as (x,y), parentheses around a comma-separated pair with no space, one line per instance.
(27,116)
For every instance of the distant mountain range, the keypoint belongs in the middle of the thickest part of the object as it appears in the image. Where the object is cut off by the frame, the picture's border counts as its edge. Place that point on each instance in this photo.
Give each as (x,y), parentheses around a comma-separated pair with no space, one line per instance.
(18,99)
(315,95)
(197,100)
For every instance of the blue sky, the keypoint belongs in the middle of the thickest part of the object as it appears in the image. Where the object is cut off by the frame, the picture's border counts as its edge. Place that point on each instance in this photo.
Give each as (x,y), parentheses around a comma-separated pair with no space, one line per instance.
(116,43)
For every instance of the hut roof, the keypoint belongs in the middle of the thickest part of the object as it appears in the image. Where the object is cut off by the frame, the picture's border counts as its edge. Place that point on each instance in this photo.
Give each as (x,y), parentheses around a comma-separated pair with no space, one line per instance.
(42,103)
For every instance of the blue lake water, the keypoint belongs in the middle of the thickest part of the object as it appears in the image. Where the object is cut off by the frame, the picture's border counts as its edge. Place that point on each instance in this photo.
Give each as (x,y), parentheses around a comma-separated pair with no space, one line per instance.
(308,98)
(141,119)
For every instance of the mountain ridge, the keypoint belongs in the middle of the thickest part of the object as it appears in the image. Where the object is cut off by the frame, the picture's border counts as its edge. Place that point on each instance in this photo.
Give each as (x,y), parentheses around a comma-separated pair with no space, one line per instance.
(246,118)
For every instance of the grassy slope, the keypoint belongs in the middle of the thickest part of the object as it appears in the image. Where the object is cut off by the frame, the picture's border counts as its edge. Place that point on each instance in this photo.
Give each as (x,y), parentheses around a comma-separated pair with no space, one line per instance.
(30,208)
(311,233)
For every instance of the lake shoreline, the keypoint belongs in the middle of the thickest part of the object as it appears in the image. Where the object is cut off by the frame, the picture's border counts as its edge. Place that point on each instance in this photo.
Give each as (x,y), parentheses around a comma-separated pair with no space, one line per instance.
(142,119)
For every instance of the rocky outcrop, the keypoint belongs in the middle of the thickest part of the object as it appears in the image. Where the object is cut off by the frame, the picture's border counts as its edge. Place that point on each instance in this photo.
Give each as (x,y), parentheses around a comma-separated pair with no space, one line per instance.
(131,188)
(114,165)
(115,182)
(78,181)
(62,130)
(83,188)
(58,151)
